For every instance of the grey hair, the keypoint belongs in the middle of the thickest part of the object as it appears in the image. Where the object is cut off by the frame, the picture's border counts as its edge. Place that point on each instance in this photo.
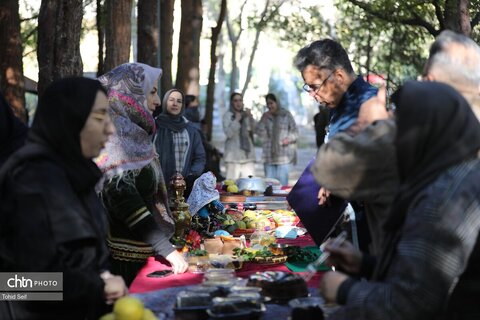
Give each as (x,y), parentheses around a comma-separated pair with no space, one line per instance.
(460,66)
(324,54)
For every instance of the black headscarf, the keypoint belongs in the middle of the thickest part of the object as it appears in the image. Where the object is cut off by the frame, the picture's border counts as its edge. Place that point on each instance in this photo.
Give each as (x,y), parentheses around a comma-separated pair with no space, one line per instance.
(12,131)
(436,129)
(61,114)
(172,122)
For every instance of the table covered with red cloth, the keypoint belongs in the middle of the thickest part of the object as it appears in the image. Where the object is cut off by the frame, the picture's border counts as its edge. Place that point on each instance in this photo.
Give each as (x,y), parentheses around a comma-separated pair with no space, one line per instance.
(142,283)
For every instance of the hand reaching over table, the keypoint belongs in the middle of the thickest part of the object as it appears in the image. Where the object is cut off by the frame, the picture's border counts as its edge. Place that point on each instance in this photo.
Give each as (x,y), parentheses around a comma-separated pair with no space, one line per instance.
(115,287)
(344,256)
(178,262)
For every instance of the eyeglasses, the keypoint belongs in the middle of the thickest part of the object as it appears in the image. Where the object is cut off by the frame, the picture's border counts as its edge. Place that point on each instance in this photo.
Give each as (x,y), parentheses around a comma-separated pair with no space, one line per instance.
(315,87)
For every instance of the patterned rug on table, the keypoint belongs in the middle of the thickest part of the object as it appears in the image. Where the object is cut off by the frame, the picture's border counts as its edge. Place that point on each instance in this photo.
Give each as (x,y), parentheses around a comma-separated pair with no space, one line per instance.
(162,302)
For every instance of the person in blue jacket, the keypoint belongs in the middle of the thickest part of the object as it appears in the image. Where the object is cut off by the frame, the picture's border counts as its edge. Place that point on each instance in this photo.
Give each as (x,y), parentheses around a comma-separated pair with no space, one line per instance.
(330,80)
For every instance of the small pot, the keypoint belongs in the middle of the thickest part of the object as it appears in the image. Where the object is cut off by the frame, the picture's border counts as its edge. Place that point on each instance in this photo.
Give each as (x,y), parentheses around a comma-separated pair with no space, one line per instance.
(251,184)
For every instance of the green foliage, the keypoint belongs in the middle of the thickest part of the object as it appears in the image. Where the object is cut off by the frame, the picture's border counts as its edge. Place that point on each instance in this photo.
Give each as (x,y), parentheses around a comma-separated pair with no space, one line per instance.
(396,51)
(299,254)
(400,32)
(198,253)
(386,37)
(303,25)
(249,255)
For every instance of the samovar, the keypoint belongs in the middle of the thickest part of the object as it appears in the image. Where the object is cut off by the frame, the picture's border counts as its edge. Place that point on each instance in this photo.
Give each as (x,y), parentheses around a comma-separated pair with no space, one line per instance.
(180,209)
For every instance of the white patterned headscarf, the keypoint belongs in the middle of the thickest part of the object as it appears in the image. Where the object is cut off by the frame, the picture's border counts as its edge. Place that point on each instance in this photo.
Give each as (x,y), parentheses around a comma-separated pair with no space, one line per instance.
(203,192)
(131,146)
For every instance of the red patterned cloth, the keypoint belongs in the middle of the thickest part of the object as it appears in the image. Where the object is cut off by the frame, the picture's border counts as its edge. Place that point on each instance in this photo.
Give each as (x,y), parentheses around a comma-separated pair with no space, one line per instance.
(142,283)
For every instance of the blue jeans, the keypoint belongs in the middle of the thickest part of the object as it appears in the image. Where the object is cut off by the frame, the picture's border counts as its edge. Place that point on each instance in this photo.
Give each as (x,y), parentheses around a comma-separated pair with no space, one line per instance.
(277,171)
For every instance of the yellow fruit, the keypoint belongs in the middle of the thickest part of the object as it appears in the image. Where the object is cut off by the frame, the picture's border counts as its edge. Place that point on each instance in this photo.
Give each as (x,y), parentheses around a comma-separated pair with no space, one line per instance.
(232,188)
(250,214)
(108,316)
(128,308)
(149,315)
(228,182)
(251,225)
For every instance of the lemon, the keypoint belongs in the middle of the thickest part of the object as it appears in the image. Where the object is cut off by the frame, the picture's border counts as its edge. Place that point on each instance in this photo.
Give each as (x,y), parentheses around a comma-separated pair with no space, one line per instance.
(108,316)
(250,214)
(128,308)
(228,182)
(149,315)
(251,225)
(232,188)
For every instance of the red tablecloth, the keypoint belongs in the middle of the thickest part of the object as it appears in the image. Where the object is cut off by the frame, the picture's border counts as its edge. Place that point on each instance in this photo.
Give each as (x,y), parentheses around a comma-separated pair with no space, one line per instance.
(142,283)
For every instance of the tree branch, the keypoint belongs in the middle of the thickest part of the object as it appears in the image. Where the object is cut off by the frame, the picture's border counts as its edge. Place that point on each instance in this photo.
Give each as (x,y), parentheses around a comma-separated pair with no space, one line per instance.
(34,17)
(265,19)
(231,34)
(416,20)
(29,52)
(29,34)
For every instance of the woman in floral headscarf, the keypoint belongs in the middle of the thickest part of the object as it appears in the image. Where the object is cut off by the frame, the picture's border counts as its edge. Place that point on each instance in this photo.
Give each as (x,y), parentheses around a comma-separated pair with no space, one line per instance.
(134,190)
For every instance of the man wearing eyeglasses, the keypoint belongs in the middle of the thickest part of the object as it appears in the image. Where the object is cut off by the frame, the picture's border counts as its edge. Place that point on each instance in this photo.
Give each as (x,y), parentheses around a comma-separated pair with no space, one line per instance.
(330,80)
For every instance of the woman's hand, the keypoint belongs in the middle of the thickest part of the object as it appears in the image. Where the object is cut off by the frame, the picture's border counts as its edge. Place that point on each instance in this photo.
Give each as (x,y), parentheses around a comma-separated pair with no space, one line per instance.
(177,261)
(345,256)
(115,287)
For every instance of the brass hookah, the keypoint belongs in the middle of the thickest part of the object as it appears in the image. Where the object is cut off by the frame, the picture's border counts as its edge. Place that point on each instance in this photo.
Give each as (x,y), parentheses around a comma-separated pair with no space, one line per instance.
(180,209)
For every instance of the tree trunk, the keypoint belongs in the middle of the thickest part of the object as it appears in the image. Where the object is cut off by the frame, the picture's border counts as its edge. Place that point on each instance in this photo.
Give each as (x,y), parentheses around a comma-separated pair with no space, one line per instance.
(147,32)
(464,17)
(166,44)
(457,17)
(213,66)
(11,66)
(250,61)
(101,36)
(118,32)
(233,42)
(220,85)
(188,73)
(59,30)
